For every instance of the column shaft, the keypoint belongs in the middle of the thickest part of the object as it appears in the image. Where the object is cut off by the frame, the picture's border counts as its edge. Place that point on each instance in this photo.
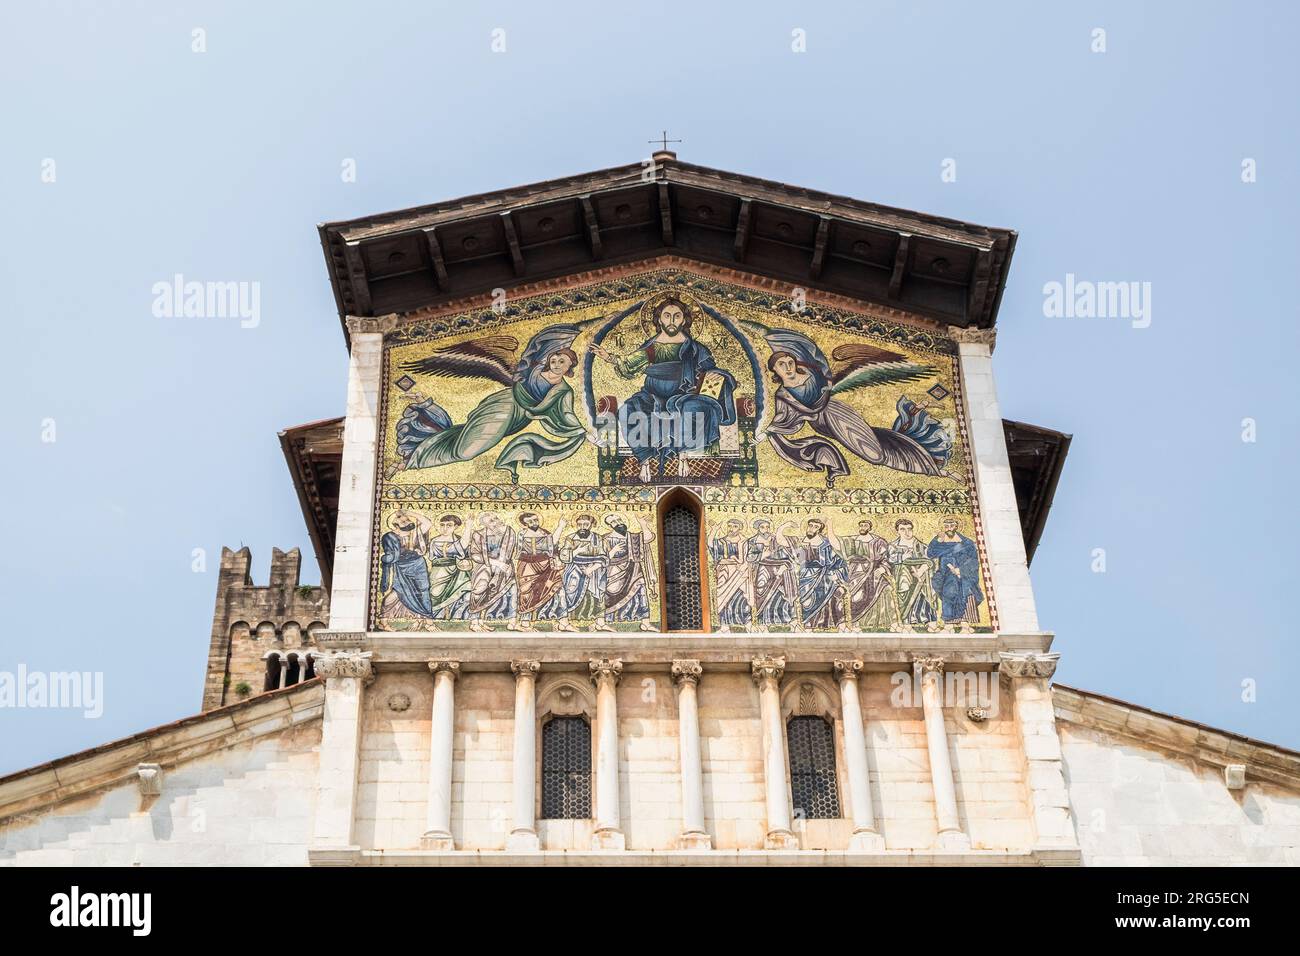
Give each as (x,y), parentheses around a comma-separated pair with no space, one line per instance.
(437,834)
(608,835)
(936,739)
(686,674)
(767,673)
(523,831)
(865,838)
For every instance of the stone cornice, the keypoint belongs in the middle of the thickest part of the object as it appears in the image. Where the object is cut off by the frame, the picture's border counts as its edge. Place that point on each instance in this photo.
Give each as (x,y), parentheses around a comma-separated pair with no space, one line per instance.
(1208,745)
(113,764)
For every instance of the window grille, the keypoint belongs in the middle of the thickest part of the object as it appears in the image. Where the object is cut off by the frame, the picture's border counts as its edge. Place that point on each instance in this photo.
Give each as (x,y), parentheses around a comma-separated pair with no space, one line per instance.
(813,786)
(684,603)
(566,769)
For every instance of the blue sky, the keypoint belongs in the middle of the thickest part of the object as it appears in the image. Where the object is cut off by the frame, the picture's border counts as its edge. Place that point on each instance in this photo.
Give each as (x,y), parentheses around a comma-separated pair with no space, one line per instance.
(1115,166)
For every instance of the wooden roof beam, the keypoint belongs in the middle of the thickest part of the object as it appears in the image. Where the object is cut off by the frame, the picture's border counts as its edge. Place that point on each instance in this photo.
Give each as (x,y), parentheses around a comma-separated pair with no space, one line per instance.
(435,257)
(593,227)
(900,263)
(665,214)
(512,241)
(743,220)
(357,278)
(819,247)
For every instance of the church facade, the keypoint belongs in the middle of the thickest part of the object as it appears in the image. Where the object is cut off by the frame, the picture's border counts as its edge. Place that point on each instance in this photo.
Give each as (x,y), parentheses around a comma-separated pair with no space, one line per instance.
(672,518)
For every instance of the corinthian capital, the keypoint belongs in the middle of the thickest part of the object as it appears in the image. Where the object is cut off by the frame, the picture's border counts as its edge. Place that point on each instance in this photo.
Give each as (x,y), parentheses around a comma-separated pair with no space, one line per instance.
(606,669)
(444,664)
(525,668)
(1026,664)
(343,664)
(972,336)
(848,670)
(767,668)
(928,665)
(687,672)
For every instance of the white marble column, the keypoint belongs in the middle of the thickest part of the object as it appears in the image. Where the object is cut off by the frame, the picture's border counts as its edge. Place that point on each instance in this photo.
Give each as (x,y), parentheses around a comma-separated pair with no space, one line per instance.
(1007,570)
(605,674)
(437,833)
(767,672)
(523,829)
(686,675)
(865,838)
(284,669)
(951,836)
(346,674)
(1035,720)
(351,581)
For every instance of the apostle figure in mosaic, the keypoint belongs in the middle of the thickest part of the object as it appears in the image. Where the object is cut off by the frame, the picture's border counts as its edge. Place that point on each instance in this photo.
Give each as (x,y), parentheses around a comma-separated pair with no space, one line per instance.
(540,576)
(449,567)
(772,573)
(535,390)
(493,593)
(685,393)
(629,581)
(872,598)
(584,559)
(917,605)
(956,579)
(733,596)
(404,575)
(809,393)
(822,575)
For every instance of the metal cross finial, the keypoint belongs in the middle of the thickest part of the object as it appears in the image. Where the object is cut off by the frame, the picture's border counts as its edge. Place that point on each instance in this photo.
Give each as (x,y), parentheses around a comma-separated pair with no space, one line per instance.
(663,141)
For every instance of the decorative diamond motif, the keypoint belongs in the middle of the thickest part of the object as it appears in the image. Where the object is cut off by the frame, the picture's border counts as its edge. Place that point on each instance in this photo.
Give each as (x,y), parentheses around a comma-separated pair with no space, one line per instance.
(938,393)
(406,383)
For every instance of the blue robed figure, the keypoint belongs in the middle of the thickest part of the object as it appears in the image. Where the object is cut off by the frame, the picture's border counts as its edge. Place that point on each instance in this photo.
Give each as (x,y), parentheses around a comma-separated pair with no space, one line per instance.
(403,568)
(674,365)
(956,579)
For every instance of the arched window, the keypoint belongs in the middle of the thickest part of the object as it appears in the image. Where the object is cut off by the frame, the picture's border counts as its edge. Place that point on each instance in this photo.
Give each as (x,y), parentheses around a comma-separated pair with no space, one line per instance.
(566,769)
(813,787)
(682,572)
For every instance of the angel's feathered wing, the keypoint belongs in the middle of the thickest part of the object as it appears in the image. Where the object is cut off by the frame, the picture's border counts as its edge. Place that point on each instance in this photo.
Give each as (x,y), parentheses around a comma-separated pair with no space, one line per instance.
(491,358)
(866,365)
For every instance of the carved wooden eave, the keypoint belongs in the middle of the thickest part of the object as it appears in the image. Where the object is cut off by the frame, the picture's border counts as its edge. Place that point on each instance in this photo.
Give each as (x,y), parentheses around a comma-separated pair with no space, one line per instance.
(314,453)
(950,271)
(1037,457)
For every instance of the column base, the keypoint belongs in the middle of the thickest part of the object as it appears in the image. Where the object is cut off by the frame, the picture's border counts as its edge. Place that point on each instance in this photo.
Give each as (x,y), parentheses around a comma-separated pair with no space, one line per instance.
(608,839)
(866,841)
(436,840)
(780,840)
(523,840)
(697,840)
(952,840)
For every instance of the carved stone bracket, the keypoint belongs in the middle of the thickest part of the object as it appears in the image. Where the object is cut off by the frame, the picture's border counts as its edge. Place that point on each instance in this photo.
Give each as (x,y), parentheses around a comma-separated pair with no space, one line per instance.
(149,776)
(376,323)
(335,664)
(1025,664)
(928,665)
(972,336)
(687,672)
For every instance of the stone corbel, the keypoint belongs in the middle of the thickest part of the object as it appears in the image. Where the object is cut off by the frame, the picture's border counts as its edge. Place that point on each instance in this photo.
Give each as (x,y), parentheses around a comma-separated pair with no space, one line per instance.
(149,776)
(372,323)
(333,664)
(972,336)
(1027,664)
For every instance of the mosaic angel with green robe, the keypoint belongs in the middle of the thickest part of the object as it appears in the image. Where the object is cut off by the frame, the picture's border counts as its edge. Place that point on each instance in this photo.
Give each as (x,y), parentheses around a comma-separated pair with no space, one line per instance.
(535,390)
